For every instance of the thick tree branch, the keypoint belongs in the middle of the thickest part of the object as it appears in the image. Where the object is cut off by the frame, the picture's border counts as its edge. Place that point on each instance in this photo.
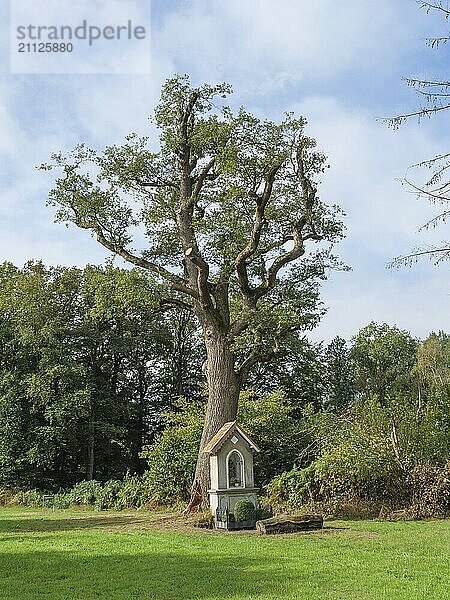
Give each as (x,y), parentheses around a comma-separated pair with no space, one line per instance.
(200,180)
(177,303)
(197,268)
(222,300)
(193,256)
(255,236)
(176,283)
(254,358)
(298,248)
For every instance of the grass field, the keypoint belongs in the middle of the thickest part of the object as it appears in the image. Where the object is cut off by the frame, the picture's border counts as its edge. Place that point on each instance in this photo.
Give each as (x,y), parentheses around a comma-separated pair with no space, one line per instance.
(83,555)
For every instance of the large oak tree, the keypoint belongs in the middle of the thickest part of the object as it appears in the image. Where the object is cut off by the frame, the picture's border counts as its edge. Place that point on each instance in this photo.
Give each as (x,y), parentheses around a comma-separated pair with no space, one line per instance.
(233,227)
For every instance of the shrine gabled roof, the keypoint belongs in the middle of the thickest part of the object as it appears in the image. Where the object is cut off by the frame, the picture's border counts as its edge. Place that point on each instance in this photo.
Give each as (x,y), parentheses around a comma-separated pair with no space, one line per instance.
(224,433)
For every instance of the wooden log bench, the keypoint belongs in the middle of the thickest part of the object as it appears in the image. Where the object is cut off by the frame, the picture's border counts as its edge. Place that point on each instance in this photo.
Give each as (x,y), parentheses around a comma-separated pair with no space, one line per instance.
(290,523)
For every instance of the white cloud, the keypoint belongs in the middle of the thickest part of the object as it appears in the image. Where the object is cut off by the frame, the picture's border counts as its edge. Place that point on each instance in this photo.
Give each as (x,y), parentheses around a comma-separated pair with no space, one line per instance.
(9,132)
(367,160)
(265,45)
(110,109)
(415,300)
(40,115)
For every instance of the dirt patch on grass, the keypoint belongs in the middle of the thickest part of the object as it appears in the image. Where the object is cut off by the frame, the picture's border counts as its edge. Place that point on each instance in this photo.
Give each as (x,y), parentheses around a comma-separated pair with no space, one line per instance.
(162,522)
(135,521)
(186,524)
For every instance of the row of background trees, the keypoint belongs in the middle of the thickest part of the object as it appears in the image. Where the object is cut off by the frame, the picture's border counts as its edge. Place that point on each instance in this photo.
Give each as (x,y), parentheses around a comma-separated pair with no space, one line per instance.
(91,373)
(86,372)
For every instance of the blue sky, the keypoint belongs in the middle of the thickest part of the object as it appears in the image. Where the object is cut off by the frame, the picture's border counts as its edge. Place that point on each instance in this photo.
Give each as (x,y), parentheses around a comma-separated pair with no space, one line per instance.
(338,64)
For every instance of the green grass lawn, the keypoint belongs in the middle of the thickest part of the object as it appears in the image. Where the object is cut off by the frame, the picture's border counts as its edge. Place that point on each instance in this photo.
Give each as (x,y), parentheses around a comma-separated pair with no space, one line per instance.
(85,555)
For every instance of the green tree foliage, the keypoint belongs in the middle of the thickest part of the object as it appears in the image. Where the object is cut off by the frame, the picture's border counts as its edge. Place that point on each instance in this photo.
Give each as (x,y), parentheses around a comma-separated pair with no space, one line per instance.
(271,421)
(390,446)
(433,363)
(298,370)
(86,368)
(382,358)
(338,376)
(388,454)
(172,457)
(433,371)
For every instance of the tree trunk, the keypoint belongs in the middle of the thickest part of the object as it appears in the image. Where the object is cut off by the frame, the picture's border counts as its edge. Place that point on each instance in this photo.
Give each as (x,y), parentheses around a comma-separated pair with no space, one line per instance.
(91,447)
(223,395)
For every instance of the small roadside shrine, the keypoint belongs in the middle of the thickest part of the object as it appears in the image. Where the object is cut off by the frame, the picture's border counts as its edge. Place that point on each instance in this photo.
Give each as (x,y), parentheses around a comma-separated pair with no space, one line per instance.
(231,473)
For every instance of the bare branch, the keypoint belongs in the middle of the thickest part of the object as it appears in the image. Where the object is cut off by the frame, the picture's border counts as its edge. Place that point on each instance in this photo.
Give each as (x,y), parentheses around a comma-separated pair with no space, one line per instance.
(430,96)
(430,194)
(435,42)
(407,259)
(429,6)
(430,161)
(441,218)
(424,82)
(423,112)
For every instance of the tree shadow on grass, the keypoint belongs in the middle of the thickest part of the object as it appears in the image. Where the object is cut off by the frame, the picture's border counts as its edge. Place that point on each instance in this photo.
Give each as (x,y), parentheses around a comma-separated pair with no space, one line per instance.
(157,575)
(41,524)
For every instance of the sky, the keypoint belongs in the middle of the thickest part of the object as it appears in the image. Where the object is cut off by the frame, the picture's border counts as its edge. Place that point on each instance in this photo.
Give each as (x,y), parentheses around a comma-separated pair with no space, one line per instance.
(340,65)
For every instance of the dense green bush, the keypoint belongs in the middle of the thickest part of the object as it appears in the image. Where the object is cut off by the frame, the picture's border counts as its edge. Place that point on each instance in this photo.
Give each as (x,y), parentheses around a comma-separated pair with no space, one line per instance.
(85,492)
(388,456)
(431,491)
(291,489)
(171,459)
(134,493)
(31,498)
(355,469)
(340,476)
(280,437)
(107,496)
(62,500)
(244,510)
(131,492)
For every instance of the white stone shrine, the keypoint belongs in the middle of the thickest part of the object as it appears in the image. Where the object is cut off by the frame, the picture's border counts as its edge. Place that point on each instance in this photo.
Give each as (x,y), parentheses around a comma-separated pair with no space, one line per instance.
(231,468)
